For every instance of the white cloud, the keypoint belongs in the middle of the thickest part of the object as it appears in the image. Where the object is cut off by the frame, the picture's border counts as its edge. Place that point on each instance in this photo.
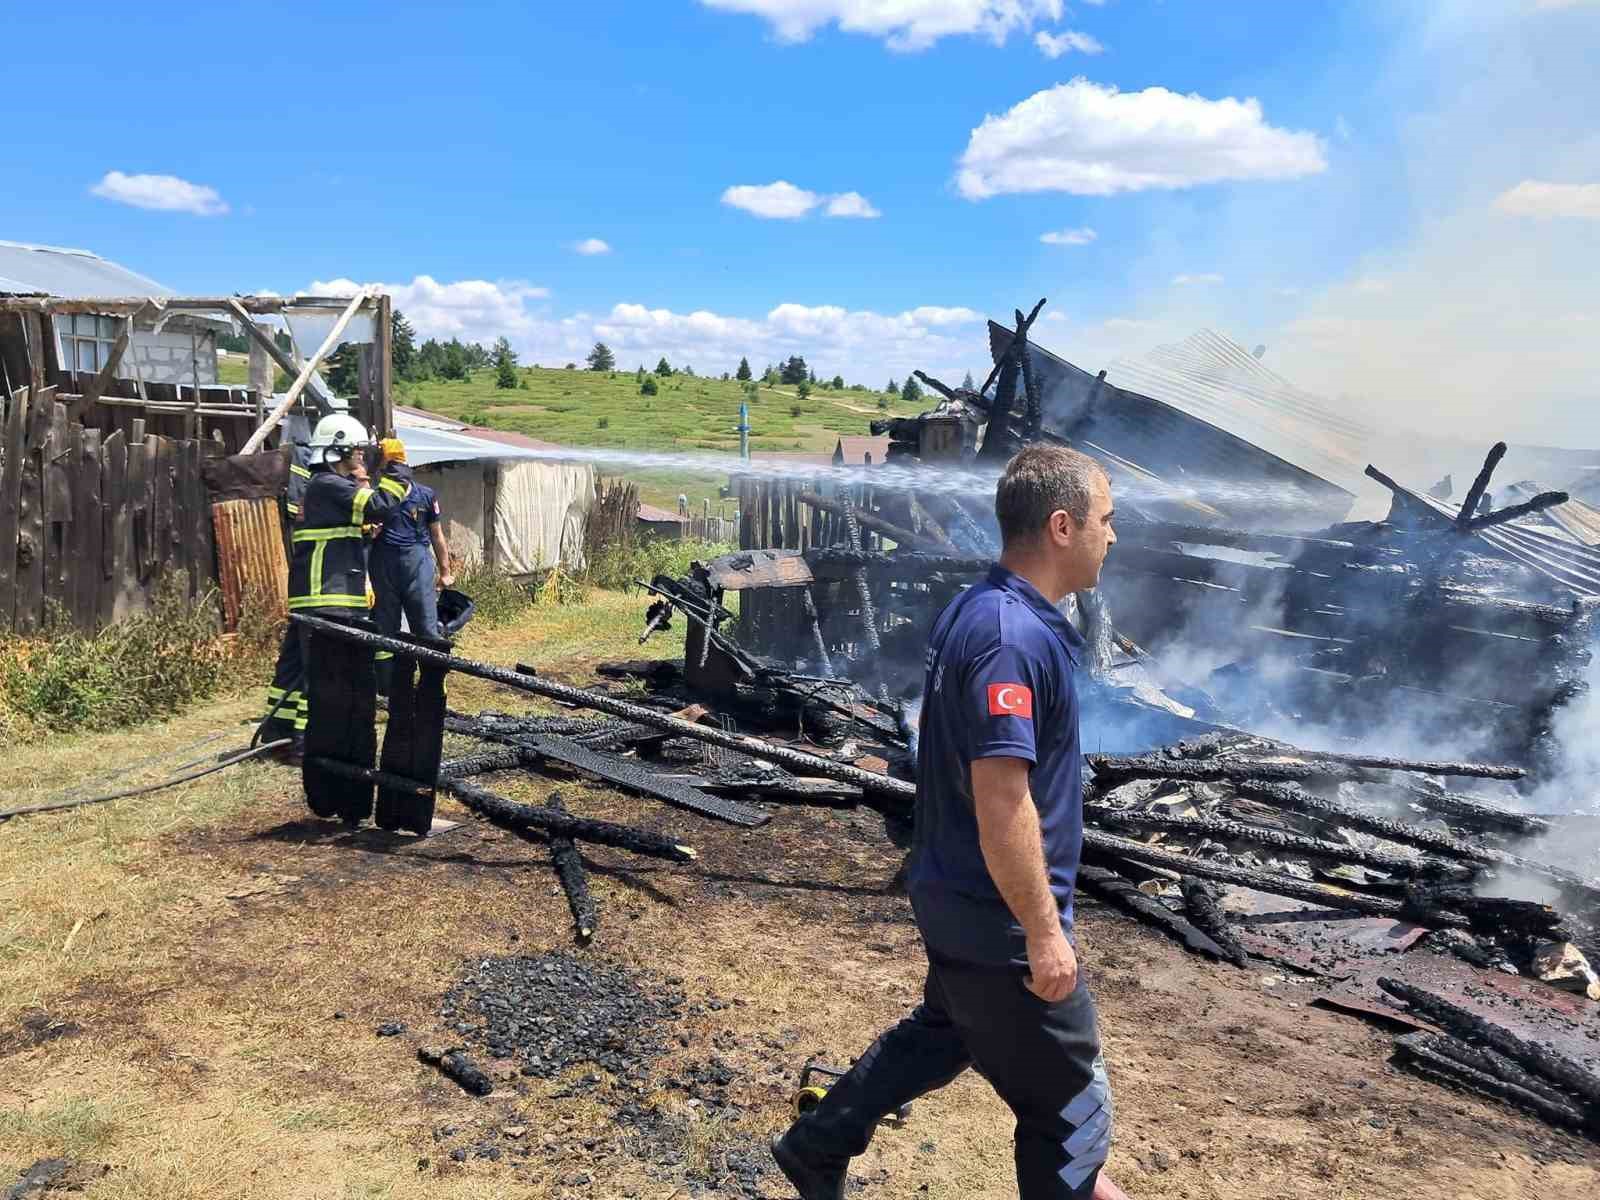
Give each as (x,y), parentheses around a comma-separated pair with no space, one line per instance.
(777,201)
(162,193)
(1093,140)
(852,204)
(1535,198)
(860,344)
(1188,280)
(1054,45)
(783,201)
(905,25)
(1069,237)
(591,246)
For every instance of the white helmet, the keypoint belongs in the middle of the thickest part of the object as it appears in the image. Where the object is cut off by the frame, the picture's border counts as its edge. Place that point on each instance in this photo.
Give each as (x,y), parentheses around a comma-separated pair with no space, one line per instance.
(339,432)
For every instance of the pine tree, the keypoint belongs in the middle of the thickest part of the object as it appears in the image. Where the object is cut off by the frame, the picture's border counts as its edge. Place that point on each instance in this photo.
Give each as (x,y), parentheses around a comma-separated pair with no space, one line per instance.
(601,358)
(402,346)
(794,371)
(968,382)
(743,372)
(505,364)
(838,383)
(663,368)
(893,386)
(811,377)
(912,392)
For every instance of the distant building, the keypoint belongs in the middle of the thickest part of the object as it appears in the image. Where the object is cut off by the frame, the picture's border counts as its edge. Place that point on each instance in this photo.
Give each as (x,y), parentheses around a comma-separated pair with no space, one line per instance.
(854,450)
(183,349)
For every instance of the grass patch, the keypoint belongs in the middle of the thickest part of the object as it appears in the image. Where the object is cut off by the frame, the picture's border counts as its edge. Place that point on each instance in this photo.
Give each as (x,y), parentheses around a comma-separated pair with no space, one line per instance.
(146,667)
(71,1128)
(617,567)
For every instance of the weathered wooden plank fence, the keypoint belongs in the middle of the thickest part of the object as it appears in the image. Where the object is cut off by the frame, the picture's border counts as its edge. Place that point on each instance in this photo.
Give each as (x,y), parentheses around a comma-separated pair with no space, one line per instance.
(92,524)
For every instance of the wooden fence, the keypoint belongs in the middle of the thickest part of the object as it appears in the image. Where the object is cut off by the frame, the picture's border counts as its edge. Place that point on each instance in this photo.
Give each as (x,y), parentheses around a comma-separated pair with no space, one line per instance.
(93,524)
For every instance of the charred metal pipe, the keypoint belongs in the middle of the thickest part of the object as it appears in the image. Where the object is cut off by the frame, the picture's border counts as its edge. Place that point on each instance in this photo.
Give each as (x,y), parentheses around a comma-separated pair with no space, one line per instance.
(1457,1062)
(574,879)
(510,814)
(1205,912)
(1238,831)
(799,761)
(1557,1068)
(455,1065)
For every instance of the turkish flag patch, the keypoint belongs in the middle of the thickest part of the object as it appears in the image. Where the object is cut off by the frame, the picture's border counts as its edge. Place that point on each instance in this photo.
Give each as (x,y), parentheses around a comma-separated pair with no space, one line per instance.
(1010,700)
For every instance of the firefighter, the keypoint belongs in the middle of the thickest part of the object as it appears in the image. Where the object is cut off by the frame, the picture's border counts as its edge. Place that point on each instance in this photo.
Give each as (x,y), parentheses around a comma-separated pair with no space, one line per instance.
(405,575)
(328,567)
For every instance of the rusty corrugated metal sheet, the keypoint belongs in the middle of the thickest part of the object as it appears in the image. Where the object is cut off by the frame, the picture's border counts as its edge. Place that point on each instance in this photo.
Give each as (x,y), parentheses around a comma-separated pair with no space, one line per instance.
(251,566)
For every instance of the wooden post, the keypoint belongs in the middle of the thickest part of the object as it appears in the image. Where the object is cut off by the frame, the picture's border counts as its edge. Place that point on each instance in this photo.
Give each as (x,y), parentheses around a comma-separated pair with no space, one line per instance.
(87,526)
(491,500)
(114,525)
(365,407)
(30,510)
(33,335)
(59,468)
(11,445)
(298,386)
(383,365)
(260,376)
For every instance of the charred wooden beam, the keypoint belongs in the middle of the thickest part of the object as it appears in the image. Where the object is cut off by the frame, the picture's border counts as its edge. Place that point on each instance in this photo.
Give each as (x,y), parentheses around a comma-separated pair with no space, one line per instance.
(1504,516)
(1288,795)
(574,879)
(1239,831)
(455,1065)
(1205,912)
(1493,912)
(1480,484)
(858,578)
(1466,810)
(1541,1061)
(1423,766)
(511,815)
(1457,1062)
(1113,888)
(872,521)
(1312,764)
(1099,845)
(799,761)
(904,564)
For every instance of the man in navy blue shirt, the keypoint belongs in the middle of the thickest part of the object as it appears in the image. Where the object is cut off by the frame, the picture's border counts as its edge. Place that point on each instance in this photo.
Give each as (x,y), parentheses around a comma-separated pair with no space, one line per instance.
(402,563)
(999,833)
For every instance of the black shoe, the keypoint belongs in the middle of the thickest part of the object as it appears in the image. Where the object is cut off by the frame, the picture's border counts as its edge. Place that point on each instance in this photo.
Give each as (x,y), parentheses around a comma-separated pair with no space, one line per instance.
(813,1180)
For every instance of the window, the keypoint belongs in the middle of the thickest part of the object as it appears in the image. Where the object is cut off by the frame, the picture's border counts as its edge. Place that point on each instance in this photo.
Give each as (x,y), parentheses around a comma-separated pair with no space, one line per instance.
(86,340)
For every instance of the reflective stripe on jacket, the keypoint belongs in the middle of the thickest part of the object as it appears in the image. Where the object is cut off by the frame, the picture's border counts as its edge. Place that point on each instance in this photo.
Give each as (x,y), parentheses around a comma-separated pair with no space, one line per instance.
(329,567)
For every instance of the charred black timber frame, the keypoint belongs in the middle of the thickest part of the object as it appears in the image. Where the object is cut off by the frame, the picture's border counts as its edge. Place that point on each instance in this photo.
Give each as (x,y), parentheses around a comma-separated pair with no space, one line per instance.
(1423,766)
(1113,888)
(869,612)
(868,520)
(1490,1062)
(1466,810)
(1452,1061)
(1233,770)
(1239,831)
(1504,516)
(1495,913)
(1205,912)
(511,815)
(455,1065)
(1131,529)
(1480,484)
(1545,1063)
(534,749)
(799,761)
(1290,796)
(574,879)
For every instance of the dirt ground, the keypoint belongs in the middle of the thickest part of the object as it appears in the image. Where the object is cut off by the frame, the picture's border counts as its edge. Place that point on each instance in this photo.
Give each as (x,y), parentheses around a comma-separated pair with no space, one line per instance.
(191,1002)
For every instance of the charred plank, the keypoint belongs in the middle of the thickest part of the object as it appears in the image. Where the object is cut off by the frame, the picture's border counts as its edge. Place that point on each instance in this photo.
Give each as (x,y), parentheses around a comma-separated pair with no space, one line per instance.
(574,879)
(1205,913)
(456,1066)
(1115,889)
(511,815)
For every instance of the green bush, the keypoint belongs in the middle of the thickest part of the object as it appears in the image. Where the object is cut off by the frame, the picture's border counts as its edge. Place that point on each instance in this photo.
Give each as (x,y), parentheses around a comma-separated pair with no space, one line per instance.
(618,567)
(142,669)
(648,387)
(497,597)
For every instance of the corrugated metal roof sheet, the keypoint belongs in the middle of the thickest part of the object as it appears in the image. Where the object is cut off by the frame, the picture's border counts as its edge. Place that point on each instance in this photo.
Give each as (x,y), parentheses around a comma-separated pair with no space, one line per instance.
(1216,380)
(1575,521)
(55,271)
(658,516)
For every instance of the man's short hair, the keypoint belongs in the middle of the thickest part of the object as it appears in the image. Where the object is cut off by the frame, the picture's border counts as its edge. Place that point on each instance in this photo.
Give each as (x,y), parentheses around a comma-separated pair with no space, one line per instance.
(1038,481)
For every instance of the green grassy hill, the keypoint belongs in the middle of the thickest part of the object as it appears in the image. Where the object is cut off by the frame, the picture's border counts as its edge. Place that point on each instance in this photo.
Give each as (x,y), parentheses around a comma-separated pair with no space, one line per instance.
(688,413)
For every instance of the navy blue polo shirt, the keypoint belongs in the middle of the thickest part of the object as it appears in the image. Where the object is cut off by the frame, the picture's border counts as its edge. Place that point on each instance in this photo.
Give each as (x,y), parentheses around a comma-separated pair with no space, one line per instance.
(999,684)
(408,524)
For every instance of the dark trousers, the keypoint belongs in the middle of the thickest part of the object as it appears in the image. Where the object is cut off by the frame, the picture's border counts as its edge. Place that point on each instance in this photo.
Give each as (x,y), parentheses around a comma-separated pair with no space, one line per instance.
(402,579)
(1042,1059)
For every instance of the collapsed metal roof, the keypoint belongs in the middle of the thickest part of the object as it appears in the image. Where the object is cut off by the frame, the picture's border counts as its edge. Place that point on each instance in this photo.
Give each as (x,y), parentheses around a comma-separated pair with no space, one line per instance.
(55,271)
(432,439)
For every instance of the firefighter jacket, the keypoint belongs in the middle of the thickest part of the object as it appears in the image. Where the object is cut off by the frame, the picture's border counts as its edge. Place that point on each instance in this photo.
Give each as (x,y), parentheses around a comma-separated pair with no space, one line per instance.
(329,567)
(299,479)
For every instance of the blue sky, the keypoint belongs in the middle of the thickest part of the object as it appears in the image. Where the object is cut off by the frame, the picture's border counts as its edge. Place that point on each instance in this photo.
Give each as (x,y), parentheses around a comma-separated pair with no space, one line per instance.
(1296,169)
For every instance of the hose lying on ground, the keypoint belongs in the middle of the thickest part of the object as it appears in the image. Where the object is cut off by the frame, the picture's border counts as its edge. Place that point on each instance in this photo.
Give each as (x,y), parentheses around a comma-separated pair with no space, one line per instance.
(232,758)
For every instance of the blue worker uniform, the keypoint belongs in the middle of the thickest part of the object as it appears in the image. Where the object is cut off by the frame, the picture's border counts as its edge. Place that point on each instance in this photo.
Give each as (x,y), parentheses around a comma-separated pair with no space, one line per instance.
(1000,683)
(402,564)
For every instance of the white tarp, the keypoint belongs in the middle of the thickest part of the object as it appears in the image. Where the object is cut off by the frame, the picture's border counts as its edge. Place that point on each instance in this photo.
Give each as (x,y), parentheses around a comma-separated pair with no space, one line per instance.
(539,515)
